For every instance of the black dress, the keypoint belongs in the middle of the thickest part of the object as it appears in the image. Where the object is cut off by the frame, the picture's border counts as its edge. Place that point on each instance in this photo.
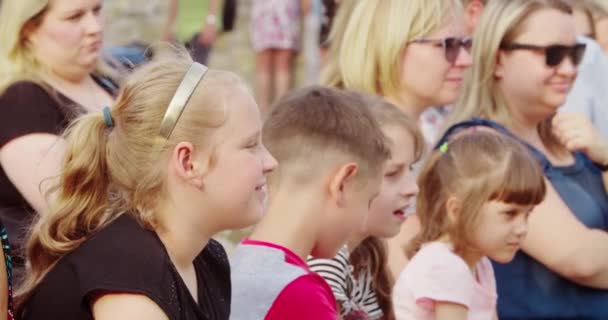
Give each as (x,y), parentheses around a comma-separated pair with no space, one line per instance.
(124,257)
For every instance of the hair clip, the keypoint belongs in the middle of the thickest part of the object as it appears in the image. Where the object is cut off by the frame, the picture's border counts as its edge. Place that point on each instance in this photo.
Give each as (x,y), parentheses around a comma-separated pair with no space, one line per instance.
(181,97)
(443,148)
(107,117)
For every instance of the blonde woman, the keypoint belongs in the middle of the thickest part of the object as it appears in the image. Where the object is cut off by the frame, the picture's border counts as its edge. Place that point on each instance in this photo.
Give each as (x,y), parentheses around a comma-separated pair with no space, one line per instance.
(49,72)
(412,53)
(143,188)
(522,73)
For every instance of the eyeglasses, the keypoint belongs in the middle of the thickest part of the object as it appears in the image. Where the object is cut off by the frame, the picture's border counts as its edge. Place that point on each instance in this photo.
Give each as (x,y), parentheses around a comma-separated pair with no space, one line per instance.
(554,54)
(451,46)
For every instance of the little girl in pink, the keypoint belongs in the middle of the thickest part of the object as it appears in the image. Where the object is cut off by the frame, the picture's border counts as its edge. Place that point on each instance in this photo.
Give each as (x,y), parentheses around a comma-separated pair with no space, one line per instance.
(476,193)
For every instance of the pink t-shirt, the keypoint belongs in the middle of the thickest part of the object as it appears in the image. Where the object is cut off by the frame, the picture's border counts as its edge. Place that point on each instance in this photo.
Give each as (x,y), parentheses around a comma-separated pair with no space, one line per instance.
(435,273)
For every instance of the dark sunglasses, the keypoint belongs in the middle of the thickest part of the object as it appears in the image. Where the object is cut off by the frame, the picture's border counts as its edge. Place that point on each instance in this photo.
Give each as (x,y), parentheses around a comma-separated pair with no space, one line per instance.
(554,54)
(451,46)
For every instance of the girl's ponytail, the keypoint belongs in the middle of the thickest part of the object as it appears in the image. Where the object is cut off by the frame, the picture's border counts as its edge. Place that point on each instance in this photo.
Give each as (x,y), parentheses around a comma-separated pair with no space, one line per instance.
(80,198)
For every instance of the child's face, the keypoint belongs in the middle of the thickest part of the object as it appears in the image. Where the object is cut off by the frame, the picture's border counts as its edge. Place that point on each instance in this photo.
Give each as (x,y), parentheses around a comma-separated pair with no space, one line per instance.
(398,188)
(501,230)
(340,222)
(236,183)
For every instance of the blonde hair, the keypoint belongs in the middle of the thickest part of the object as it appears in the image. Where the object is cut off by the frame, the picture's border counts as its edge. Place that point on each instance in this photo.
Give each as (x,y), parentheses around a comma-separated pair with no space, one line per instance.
(478,167)
(388,115)
(17,62)
(599,9)
(501,22)
(318,123)
(111,171)
(369,38)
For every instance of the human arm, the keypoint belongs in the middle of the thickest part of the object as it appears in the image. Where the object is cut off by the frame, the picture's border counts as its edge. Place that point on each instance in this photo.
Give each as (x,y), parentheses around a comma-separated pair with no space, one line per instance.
(169,28)
(209,29)
(30,149)
(32,163)
(577,133)
(580,256)
(116,306)
(450,311)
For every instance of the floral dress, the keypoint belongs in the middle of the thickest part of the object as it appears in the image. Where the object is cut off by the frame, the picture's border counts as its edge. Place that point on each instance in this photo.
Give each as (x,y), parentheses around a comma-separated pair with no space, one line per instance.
(275,24)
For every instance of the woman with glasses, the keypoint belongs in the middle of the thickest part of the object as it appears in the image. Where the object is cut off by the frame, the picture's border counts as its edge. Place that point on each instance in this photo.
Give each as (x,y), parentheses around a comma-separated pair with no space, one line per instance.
(522,73)
(412,53)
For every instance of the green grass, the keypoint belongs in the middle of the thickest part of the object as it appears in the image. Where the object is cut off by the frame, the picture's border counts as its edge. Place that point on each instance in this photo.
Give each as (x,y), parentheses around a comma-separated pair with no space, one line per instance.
(190,18)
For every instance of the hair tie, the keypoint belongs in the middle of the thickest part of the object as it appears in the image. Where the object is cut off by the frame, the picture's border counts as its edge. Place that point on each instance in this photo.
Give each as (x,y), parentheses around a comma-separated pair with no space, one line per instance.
(107,117)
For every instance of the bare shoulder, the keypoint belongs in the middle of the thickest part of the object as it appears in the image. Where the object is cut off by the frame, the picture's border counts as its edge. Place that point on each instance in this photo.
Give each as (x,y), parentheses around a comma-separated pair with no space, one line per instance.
(116,306)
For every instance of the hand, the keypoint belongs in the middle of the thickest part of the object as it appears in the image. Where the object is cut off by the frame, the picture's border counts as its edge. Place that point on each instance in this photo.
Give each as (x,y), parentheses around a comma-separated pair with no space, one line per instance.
(576,132)
(208,35)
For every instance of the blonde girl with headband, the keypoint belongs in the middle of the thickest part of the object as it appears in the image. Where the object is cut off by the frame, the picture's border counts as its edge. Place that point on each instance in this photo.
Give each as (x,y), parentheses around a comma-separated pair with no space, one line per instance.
(476,193)
(143,188)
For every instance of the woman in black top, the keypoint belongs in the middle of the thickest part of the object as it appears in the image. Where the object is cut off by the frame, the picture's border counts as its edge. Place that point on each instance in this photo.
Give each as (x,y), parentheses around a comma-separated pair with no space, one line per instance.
(144,187)
(49,62)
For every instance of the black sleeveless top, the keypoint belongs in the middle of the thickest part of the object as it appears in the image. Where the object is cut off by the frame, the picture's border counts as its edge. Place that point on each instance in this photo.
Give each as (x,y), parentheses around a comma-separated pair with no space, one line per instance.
(124,257)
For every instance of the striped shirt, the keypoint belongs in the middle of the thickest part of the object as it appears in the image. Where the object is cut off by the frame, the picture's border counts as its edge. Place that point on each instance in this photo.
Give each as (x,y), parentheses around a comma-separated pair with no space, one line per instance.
(353,293)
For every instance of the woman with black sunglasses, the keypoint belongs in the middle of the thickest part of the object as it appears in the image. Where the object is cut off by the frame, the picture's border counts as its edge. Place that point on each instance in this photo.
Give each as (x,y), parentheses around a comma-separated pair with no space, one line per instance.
(522,73)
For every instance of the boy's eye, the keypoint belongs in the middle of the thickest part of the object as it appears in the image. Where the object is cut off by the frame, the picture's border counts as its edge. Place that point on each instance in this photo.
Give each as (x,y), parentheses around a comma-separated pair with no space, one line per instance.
(74,17)
(392,173)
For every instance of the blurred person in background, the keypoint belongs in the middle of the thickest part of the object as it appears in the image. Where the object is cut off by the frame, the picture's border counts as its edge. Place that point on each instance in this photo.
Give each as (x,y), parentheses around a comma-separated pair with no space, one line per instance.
(275,37)
(135,26)
(50,72)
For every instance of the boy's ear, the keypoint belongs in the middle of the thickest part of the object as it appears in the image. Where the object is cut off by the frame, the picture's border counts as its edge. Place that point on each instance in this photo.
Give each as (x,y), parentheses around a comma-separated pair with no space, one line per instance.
(342,177)
(453,207)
